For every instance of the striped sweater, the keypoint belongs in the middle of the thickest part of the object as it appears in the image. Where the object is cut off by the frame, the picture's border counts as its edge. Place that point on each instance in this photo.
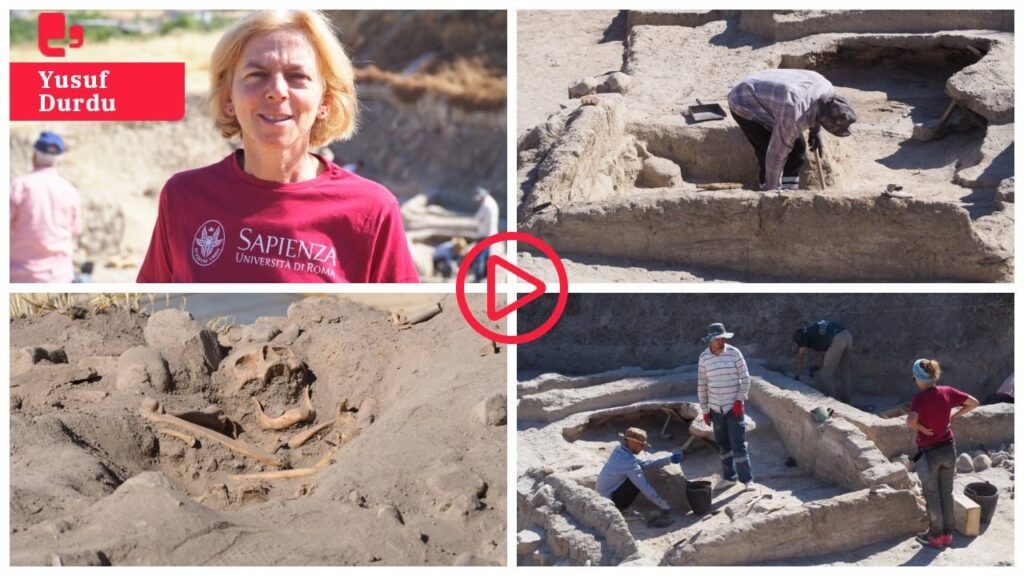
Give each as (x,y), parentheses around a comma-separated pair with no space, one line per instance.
(722,379)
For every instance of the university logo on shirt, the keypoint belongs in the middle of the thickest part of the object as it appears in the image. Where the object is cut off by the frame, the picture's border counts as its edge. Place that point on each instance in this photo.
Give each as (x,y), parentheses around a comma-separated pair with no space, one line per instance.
(208,243)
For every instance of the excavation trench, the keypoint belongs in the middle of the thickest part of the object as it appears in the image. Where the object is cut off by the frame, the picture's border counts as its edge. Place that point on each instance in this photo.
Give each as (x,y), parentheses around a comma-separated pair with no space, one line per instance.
(684,195)
(842,483)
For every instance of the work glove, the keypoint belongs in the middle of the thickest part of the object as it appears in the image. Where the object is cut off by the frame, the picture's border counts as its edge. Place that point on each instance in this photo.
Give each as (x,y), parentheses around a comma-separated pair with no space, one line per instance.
(814,140)
(737,408)
(707,418)
(676,458)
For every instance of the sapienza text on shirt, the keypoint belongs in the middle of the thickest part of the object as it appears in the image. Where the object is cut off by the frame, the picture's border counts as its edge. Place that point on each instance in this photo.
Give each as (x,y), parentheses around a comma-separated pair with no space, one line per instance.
(267,244)
(94,103)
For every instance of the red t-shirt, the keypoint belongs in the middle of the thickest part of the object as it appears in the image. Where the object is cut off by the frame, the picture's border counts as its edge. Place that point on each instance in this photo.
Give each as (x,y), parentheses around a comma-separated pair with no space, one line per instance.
(220,224)
(933,408)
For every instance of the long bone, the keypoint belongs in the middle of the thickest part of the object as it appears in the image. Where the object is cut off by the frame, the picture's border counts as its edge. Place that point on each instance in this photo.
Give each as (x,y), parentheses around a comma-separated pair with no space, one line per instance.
(345,421)
(326,459)
(291,417)
(189,441)
(153,412)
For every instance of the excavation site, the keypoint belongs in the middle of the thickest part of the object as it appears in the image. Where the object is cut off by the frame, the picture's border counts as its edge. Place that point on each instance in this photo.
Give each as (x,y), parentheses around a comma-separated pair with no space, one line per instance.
(638,137)
(335,433)
(834,482)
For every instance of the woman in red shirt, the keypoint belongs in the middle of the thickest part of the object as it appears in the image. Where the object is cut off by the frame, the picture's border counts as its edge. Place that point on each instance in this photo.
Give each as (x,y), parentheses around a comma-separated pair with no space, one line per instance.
(274,211)
(936,452)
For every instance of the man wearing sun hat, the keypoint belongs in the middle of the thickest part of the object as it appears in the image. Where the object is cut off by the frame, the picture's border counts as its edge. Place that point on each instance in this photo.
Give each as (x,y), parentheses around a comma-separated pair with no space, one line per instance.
(45,218)
(774,107)
(622,478)
(722,386)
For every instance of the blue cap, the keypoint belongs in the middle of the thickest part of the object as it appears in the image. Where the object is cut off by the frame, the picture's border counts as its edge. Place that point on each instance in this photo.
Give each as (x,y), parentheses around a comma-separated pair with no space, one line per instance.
(50,143)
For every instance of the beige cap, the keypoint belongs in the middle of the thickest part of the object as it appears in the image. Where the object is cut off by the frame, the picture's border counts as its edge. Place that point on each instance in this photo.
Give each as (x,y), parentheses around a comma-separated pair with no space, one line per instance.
(635,434)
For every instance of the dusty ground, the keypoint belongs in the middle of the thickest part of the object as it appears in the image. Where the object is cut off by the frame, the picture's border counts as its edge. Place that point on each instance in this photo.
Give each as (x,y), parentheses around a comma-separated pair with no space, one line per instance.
(894,82)
(556,48)
(560,447)
(413,469)
(620,360)
(428,100)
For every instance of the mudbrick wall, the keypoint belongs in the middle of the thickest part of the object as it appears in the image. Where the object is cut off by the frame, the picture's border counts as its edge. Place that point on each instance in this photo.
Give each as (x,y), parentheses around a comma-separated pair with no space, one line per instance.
(970,334)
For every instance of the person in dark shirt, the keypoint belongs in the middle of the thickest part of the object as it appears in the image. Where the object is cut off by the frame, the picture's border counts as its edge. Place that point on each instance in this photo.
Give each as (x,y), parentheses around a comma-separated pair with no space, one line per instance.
(835,341)
(935,461)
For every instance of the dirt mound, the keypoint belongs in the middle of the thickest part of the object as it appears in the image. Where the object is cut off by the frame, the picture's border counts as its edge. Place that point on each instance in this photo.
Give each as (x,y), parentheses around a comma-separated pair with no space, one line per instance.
(330,416)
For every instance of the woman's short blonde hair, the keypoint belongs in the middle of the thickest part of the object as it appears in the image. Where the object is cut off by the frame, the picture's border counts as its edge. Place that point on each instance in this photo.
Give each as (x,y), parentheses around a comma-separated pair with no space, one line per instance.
(335,68)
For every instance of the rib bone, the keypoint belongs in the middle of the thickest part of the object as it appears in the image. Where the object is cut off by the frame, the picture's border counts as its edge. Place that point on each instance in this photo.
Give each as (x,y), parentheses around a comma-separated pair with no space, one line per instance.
(153,412)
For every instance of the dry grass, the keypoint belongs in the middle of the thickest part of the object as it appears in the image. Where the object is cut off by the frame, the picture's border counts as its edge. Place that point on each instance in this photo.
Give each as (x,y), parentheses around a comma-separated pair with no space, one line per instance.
(77,304)
(465,83)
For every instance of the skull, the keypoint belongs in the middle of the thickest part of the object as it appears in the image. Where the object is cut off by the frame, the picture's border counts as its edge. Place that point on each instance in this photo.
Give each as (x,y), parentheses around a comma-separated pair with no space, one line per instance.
(255,366)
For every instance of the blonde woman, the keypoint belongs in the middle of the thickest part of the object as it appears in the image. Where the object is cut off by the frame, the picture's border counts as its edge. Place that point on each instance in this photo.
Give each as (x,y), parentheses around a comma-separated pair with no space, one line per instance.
(936,452)
(274,211)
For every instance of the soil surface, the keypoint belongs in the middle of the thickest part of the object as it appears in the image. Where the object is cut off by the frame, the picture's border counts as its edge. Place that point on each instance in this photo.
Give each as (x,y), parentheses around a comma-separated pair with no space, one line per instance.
(410,469)
(635,163)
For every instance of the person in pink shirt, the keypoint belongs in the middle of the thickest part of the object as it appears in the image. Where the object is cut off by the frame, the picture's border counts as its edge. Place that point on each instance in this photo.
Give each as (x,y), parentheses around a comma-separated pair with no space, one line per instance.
(274,211)
(930,415)
(45,218)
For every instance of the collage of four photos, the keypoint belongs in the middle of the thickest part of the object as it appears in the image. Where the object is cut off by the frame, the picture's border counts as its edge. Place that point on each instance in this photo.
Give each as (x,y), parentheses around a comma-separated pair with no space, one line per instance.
(501,287)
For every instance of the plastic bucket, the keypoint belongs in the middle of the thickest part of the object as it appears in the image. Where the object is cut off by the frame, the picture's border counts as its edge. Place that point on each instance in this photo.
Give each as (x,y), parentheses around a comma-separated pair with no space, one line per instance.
(698,494)
(984,493)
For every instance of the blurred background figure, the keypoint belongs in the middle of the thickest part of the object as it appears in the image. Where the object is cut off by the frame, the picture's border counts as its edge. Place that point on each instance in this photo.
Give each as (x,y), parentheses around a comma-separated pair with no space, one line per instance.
(486,225)
(45,217)
(448,257)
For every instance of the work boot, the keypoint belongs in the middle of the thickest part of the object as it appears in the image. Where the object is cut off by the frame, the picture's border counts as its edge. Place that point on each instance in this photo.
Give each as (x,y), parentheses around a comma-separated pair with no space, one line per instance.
(947,539)
(660,519)
(927,539)
(724,484)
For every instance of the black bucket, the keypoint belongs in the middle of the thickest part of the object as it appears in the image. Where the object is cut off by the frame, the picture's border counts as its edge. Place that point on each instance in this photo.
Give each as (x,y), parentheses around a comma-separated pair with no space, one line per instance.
(698,494)
(984,493)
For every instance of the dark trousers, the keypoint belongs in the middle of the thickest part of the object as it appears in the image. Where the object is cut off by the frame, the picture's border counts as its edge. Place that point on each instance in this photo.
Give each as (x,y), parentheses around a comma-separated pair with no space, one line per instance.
(624,495)
(480,265)
(760,137)
(935,469)
(731,437)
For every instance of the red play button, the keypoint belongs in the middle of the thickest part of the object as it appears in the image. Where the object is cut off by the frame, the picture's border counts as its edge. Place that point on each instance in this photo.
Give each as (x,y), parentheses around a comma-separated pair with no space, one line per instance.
(493,312)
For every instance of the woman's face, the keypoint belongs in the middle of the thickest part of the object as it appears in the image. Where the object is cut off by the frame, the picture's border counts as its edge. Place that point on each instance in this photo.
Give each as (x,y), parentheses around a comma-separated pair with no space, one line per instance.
(277,92)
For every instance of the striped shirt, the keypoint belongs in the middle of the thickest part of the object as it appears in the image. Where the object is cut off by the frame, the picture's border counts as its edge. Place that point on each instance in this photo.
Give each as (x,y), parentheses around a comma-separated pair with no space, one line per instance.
(785,102)
(722,379)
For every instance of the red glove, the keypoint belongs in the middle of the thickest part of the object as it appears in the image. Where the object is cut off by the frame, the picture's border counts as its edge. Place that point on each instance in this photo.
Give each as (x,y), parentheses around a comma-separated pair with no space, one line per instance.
(737,408)
(707,418)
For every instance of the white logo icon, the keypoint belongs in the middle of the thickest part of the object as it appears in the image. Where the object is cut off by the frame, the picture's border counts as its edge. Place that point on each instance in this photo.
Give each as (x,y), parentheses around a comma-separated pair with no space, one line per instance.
(208,243)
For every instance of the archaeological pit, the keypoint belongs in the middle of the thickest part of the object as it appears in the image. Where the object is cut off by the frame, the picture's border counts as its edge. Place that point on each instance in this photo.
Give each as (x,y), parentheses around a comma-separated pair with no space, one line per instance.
(836,492)
(934,97)
(337,434)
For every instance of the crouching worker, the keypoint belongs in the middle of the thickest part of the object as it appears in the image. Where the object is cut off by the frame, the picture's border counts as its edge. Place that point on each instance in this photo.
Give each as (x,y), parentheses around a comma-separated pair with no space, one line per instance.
(774,107)
(622,477)
(935,461)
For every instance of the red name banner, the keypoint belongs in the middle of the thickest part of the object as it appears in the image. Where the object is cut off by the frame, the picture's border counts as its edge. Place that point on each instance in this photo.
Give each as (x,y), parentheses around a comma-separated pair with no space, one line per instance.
(142,91)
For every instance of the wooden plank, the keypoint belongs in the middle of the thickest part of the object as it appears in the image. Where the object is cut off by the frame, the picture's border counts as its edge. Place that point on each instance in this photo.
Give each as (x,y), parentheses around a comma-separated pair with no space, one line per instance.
(967,512)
